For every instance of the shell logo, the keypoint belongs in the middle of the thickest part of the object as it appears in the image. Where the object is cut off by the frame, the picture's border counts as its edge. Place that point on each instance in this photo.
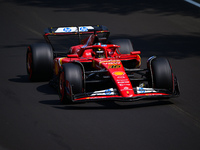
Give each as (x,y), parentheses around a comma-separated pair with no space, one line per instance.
(118,73)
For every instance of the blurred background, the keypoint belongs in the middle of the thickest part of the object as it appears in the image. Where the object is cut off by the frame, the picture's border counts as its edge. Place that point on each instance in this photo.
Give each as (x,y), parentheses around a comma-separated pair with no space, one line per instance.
(31,116)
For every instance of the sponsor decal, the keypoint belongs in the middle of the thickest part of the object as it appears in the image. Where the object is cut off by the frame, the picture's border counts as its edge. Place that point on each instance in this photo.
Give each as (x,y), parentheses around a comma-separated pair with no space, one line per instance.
(111,62)
(67,29)
(83,29)
(118,73)
(126,89)
(108,92)
(141,90)
(73,29)
(88,54)
(121,77)
(114,66)
(103,92)
(122,82)
(103,45)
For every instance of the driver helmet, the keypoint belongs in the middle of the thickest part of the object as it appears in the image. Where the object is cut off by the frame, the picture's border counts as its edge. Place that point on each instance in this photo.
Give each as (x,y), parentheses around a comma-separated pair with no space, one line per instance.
(99,53)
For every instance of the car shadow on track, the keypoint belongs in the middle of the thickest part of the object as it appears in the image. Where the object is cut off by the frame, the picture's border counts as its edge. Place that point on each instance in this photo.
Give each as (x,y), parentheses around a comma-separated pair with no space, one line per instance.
(44,87)
(20,79)
(105,105)
(47,89)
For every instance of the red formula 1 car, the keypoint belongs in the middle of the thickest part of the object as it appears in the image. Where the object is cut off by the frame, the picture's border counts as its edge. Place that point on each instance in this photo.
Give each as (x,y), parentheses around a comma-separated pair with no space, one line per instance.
(90,68)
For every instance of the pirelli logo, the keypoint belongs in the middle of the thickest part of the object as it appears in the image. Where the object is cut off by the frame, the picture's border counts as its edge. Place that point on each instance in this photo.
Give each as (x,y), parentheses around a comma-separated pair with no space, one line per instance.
(114,66)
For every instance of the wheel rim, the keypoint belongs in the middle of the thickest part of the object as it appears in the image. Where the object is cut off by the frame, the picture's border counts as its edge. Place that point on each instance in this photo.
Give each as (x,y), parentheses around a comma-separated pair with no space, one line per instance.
(61,86)
(29,63)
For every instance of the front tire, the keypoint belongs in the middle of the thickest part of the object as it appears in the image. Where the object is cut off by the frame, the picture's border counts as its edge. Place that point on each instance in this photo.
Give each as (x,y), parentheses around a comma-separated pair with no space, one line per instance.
(70,82)
(161,74)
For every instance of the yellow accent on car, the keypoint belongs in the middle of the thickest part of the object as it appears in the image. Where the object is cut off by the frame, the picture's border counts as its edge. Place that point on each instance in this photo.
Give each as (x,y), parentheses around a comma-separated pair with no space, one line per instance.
(118,73)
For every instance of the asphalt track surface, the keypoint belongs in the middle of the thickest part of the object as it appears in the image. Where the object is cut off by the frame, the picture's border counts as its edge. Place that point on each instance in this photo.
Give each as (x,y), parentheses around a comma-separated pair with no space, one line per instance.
(31,116)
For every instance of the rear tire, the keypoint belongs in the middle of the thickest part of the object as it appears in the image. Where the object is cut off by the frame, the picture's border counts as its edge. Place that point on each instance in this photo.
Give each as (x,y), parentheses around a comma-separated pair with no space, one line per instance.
(70,82)
(161,74)
(39,62)
(125,45)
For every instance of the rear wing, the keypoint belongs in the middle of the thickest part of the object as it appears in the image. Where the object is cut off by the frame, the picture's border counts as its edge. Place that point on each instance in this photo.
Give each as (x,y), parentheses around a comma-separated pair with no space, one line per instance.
(75,30)
(100,30)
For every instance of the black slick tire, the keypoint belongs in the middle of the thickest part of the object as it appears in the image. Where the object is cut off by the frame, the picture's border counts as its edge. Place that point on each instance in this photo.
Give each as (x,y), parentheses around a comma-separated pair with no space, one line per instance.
(161,74)
(39,62)
(125,45)
(70,82)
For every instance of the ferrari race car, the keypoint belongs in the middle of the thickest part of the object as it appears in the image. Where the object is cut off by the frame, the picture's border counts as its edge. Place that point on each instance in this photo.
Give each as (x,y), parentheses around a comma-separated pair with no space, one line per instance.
(85,66)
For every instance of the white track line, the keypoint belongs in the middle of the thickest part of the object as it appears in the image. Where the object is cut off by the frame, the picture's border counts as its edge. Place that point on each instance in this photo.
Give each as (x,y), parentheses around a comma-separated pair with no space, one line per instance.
(193,2)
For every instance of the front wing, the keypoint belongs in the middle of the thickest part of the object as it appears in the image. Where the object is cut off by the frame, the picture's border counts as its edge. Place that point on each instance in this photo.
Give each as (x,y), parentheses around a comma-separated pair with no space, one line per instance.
(112,95)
